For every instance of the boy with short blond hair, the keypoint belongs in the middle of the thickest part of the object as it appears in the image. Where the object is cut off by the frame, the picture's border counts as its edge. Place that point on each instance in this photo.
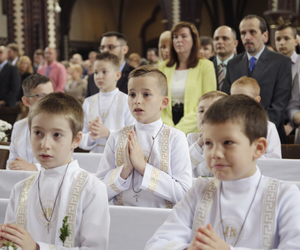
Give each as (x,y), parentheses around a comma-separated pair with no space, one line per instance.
(146,164)
(195,140)
(239,208)
(20,151)
(250,87)
(62,195)
(108,110)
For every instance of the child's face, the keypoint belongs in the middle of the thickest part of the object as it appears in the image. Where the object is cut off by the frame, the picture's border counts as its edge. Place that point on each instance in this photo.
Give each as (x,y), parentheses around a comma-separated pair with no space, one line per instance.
(206,51)
(228,152)
(145,99)
(203,107)
(105,75)
(51,140)
(37,93)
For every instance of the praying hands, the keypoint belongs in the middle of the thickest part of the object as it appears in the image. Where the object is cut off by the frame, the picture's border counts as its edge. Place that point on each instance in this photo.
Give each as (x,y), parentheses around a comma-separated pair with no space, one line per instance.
(98,130)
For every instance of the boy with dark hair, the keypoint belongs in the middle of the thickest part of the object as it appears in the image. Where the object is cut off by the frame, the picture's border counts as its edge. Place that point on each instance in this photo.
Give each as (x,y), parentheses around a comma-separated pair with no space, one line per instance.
(239,208)
(20,151)
(62,206)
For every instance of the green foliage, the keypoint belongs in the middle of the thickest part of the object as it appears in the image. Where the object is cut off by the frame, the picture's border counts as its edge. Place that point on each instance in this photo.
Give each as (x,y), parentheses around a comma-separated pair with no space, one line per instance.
(10,244)
(64,230)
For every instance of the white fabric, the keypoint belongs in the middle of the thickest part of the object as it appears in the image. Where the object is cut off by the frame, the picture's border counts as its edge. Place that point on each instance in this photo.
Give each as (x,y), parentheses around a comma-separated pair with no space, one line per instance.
(3,207)
(178,86)
(177,231)
(170,186)
(88,161)
(118,111)
(197,153)
(4,147)
(20,145)
(284,169)
(92,214)
(132,227)
(9,178)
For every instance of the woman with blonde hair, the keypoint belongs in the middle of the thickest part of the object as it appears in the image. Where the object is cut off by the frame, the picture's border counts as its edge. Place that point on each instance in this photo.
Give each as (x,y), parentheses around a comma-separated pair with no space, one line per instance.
(189,77)
(25,68)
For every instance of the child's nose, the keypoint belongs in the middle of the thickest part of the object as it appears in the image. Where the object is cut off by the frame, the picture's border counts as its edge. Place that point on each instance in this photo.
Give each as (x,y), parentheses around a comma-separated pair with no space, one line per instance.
(46,143)
(216,152)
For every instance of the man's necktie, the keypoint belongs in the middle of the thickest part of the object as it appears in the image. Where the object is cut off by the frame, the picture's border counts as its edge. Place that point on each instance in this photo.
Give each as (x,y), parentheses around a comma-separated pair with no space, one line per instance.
(48,71)
(252,63)
(221,76)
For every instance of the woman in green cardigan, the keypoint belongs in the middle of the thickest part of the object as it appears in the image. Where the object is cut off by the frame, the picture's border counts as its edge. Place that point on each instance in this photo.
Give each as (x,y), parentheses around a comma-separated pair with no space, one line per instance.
(189,77)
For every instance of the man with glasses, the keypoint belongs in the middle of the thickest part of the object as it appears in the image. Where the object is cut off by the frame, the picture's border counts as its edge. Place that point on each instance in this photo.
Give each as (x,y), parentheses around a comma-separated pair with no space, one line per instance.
(10,80)
(115,43)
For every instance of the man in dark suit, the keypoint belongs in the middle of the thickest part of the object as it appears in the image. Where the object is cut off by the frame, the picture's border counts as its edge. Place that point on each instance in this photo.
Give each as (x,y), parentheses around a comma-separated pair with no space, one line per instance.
(10,81)
(271,70)
(225,44)
(115,43)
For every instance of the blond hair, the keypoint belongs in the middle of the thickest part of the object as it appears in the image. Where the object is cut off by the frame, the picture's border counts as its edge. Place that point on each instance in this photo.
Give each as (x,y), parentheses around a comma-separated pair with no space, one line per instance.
(245,81)
(27,59)
(212,94)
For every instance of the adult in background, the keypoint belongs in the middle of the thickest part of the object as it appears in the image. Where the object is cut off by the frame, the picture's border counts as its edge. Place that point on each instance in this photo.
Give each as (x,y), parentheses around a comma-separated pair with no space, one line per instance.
(38,59)
(134,60)
(189,77)
(10,81)
(164,45)
(270,69)
(13,53)
(25,69)
(152,56)
(54,70)
(115,43)
(225,44)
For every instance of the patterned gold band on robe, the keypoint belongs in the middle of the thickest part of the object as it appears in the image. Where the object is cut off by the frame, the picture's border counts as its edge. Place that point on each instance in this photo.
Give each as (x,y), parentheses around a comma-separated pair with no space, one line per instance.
(73,204)
(170,245)
(153,180)
(92,107)
(22,207)
(194,162)
(119,111)
(268,221)
(205,204)
(122,145)
(164,150)
(53,247)
(19,132)
(120,199)
(112,179)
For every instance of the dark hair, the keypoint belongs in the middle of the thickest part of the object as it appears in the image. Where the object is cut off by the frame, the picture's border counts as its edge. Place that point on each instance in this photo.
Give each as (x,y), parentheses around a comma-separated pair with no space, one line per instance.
(285,26)
(206,40)
(262,23)
(32,81)
(242,109)
(106,56)
(14,47)
(121,37)
(151,71)
(154,49)
(39,52)
(58,103)
(194,54)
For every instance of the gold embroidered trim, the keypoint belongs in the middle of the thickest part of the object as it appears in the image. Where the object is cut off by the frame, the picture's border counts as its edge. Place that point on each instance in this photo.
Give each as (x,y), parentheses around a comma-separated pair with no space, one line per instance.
(119,111)
(92,107)
(99,145)
(20,132)
(120,199)
(153,180)
(194,162)
(22,207)
(53,247)
(205,204)
(111,181)
(164,155)
(122,145)
(170,245)
(268,217)
(169,204)
(73,204)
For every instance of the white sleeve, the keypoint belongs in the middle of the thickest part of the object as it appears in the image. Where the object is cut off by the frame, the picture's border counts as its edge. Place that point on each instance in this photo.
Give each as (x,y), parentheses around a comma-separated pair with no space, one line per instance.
(294,103)
(13,153)
(197,155)
(173,185)
(273,150)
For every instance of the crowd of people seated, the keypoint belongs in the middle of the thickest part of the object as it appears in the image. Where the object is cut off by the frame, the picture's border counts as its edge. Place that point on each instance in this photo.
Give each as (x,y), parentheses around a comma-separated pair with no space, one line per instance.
(194,108)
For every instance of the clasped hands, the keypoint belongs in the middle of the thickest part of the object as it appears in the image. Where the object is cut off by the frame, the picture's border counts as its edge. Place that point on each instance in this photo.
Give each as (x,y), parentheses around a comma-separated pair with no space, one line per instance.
(20,164)
(18,235)
(98,130)
(134,156)
(207,239)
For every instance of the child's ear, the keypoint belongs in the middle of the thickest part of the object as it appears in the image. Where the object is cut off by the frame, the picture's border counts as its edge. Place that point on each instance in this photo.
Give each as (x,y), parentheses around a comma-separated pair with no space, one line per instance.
(77,140)
(260,147)
(118,75)
(164,103)
(257,99)
(26,101)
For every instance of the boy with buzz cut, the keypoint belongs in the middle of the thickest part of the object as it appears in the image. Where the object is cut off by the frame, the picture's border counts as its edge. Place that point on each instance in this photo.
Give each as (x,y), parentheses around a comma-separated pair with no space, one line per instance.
(146,164)
(62,197)
(20,151)
(108,110)
(250,87)
(239,208)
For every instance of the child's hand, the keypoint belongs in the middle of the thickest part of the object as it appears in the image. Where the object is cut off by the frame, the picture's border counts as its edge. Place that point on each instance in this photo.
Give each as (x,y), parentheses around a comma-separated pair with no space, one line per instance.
(200,137)
(17,234)
(98,130)
(128,168)
(206,238)
(136,153)
(21,164)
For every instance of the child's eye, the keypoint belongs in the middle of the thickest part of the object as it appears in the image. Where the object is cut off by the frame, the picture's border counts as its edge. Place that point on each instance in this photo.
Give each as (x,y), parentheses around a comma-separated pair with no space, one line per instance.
(201,111)
(147,94)
(104,71)
(57,135)
(208,143)
(131,94)
(228,142)
(36,132)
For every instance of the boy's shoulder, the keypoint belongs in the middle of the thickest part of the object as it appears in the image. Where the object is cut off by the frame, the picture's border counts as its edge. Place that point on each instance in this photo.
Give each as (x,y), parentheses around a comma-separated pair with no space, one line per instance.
(22,123)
